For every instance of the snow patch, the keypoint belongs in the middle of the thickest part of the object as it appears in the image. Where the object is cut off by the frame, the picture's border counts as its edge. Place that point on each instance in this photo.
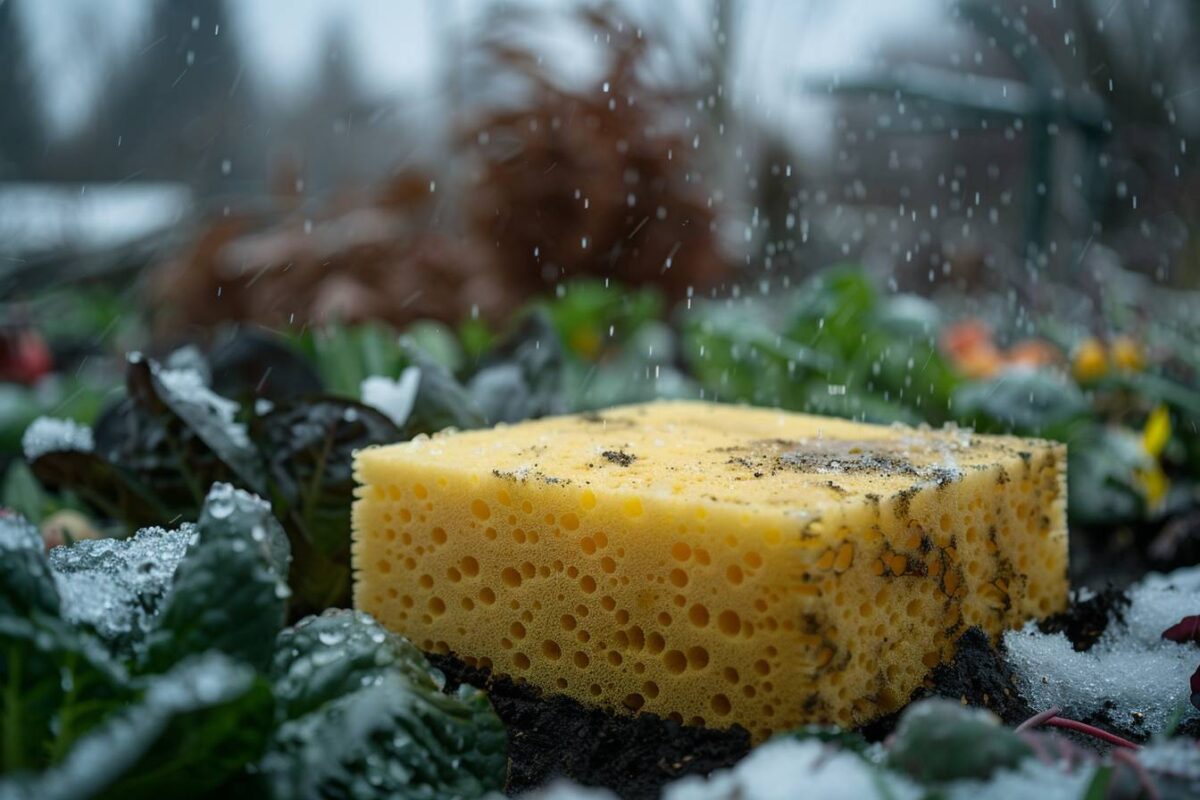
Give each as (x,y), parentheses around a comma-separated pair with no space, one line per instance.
(1136,677)
(785,769)
(49,435)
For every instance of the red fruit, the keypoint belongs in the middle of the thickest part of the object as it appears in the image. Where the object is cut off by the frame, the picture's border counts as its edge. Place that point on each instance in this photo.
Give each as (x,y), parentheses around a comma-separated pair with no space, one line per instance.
(24,356)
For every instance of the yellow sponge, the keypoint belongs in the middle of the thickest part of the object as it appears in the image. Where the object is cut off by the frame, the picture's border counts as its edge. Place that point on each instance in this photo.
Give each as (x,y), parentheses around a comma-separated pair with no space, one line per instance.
(710,563)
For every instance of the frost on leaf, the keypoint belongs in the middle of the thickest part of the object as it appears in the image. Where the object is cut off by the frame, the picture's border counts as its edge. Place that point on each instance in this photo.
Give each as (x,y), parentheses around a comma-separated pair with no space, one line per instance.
(47,434)
(362,715)
(230,591)
(115,586)
(1134,676)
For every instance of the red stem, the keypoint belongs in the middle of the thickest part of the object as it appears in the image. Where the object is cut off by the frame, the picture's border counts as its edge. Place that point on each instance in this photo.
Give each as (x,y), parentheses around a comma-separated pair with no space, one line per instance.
(1039,719)
(1091,730)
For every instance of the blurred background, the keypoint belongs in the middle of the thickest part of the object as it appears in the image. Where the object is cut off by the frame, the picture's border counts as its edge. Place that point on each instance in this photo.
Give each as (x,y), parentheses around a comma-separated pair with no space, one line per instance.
(919,210)
(495,147)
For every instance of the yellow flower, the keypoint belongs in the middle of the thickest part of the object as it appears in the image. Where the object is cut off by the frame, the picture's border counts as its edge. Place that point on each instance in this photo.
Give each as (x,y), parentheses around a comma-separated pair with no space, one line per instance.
(1157,432)
(1090,361)
(1155,484)
(1127,354)
(1155,435)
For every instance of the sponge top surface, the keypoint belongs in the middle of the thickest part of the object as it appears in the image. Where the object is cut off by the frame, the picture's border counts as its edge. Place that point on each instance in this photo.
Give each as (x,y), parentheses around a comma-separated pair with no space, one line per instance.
(711,453)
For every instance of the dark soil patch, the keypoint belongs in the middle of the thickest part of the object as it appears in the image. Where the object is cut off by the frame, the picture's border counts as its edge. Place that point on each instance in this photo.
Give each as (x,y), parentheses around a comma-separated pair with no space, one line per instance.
(552,736)
(976,676)
(1085,621)
(979,676)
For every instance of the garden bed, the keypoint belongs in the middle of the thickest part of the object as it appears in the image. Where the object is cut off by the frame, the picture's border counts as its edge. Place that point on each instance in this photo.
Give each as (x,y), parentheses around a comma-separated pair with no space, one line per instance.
(139,443)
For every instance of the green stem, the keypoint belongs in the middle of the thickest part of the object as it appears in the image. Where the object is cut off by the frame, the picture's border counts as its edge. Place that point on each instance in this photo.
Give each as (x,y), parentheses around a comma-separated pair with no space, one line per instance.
(66,718)
(312,496)
(14,754)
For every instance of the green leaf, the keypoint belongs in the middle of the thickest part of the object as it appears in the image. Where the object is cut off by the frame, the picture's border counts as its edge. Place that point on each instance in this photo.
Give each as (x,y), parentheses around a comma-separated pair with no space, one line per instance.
(26,582)
(323,657)
(437,341)
(309,451)
(23,494)
(345,355)
(828,734)
(195,728)
(362,715)
(441,401)
(476,338)
(522,378)
(940,740)
(392,740)
(832,310)
(55,685)
(1102,485)
(738,356)
(592,317)
(114,587)
(1023,401)
(228,593)
(645,369)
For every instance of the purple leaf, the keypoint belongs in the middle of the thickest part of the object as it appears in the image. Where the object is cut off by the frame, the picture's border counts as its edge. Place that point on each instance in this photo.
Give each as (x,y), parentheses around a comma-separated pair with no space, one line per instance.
(1186,630)
(1195,683)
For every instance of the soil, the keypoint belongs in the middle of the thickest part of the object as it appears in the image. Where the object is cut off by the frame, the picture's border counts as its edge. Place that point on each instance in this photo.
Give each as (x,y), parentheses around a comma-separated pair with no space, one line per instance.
(1085,621)
(556,736)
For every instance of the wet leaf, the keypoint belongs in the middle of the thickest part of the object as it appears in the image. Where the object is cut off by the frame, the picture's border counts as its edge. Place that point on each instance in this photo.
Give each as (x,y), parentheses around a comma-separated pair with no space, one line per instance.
(522,378)
(112,490)
(390,740)
(940,740)
(113,588)
(441,401)
(26,582)
(58,684)
(228,594)
(193,729)
(363,716)
(210,418)
(250,363)
(1021,400)
(309,448)
(323,657)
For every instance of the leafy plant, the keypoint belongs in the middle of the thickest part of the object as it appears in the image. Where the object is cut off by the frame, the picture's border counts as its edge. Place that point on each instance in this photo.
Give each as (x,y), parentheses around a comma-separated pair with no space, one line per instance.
(938,741)
(832,346)
(149,455)
(156,666)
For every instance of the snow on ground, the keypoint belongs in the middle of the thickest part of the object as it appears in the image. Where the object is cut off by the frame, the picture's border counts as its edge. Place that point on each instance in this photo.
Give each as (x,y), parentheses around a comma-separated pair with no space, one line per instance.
(1143,676)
